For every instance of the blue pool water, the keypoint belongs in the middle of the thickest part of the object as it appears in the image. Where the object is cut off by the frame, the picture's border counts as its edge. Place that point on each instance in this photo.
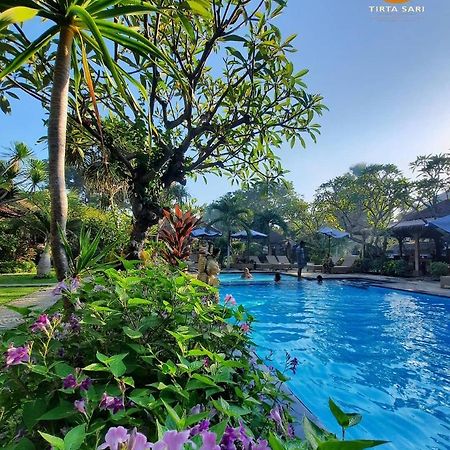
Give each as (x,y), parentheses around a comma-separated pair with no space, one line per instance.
(381,352)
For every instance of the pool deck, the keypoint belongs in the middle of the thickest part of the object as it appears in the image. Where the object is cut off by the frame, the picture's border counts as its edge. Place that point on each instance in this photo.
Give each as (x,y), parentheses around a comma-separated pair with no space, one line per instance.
(419,285)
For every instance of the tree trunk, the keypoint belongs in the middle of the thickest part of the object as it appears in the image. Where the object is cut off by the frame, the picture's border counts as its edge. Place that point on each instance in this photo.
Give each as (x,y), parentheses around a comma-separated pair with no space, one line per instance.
(145,215)
(57,129)
(229,250)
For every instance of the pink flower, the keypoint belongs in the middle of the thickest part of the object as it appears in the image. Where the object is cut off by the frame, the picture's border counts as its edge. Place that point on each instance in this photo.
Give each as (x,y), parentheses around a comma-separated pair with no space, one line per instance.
(230,299)
(275,415)
(245,327)
(41,324)
(15,356)
(261,445)
(172,440)
(80,406)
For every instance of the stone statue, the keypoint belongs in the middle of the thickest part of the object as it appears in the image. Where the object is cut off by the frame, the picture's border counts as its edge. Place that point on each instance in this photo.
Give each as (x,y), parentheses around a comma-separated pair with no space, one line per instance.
(208,267)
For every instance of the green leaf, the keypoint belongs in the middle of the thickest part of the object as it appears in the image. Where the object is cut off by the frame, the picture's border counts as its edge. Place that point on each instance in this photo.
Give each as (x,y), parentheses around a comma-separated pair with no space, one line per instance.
(56,442)
(75,438)
(16,15)
(32,411)
(275,442)
(133,334)
(18,309)
(200,7)
(138,302)
(34,47)
(349,445)
(345,420)
(96,367)
(172,413)
(64,410)
(24,444)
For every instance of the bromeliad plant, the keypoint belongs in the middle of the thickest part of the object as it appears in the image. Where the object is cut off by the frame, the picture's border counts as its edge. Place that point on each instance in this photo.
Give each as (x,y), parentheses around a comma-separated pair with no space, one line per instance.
(175,232)
(148,357)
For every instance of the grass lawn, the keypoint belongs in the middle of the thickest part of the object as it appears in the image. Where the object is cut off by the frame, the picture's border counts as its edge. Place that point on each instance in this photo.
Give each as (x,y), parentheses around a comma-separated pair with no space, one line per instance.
(8,294)
(24,278)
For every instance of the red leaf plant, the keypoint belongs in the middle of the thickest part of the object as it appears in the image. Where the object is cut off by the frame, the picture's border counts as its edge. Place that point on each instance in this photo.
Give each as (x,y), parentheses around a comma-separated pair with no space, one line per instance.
(175,232)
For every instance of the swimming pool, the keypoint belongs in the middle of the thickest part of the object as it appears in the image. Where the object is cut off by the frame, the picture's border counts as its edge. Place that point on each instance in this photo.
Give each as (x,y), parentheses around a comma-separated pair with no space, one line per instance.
(381,352)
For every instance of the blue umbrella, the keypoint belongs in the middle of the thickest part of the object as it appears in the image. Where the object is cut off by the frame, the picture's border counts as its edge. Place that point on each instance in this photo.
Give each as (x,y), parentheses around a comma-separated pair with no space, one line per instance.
(250,234)
(206,233)
(443,223)
(332,233)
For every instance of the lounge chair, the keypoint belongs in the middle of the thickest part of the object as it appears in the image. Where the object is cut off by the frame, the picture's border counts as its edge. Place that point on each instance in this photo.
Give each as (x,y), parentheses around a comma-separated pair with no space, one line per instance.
(346,265)
(258,263)
(285,261)
(311,267)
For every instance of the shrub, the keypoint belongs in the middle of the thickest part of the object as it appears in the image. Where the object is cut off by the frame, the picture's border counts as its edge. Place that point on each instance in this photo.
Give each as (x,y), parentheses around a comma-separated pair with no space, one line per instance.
(361,265)
(439,269)
(397,268)
(148,349)
(17,266)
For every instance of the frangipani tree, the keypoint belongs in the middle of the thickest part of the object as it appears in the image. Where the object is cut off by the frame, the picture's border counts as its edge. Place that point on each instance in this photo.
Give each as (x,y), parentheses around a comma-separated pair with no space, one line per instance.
(78,28)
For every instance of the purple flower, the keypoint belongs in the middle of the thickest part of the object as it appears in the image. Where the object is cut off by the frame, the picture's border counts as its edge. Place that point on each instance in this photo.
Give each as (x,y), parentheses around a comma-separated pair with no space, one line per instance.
(41,324)
(229,437)
(114,437)
(137,441)
(114,404)
(80,406)
(275,415)
(197,409)
(291,431)
(60,288)
(261,445)
(245,327)
(70,382)
(85,384)
(206,361)
(74,323)
(200,428)
(99,288)
(15,356)
(172,440)
(243,436)
(230,299)
(209,441)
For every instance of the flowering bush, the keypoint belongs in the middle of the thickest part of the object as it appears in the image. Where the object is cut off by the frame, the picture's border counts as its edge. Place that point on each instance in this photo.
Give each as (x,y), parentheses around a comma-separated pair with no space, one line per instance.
(148,359)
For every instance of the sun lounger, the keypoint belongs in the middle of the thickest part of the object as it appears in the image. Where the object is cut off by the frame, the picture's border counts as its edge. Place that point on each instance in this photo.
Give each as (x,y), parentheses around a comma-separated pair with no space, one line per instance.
(258,263)
(346,265)
(285,261)
(311,267)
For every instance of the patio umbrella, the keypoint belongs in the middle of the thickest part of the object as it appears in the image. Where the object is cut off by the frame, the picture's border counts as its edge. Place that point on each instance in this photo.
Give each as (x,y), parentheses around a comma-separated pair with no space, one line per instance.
(332,233)
(248,235)
(252,234)
(206,233)
(443,223)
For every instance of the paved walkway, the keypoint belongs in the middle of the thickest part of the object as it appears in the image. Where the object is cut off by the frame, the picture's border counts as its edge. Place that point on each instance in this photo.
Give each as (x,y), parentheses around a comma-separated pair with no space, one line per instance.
(38,300)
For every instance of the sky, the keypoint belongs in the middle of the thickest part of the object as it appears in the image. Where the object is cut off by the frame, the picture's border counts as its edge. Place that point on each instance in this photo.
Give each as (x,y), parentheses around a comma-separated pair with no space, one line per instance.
(384,78)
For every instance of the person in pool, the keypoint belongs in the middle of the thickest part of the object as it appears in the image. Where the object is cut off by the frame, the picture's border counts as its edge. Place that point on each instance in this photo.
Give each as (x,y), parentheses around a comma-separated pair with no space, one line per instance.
(246,275)
(277,278)
(319,279)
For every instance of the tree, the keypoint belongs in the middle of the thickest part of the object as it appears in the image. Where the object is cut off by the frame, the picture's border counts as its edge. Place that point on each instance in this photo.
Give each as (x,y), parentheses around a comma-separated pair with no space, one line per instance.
(20,173)
(79,26)
(432,184)
(265,220)
(231,217)
(228,119)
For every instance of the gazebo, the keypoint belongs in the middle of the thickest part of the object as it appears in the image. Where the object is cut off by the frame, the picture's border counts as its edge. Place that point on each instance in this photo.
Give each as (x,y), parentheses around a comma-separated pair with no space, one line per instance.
(416,226)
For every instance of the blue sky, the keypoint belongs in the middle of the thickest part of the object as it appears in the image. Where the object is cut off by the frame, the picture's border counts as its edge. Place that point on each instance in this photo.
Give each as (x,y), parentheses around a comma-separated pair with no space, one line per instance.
(386,80)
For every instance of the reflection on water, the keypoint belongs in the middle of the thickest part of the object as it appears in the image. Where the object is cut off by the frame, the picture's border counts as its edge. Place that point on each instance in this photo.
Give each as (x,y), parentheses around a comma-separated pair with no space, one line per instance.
(382,352)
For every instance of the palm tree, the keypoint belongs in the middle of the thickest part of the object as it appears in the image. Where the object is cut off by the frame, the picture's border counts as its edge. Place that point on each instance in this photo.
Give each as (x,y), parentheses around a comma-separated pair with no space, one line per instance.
(264,221)
(76,24)
(20,173)
(230,215)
